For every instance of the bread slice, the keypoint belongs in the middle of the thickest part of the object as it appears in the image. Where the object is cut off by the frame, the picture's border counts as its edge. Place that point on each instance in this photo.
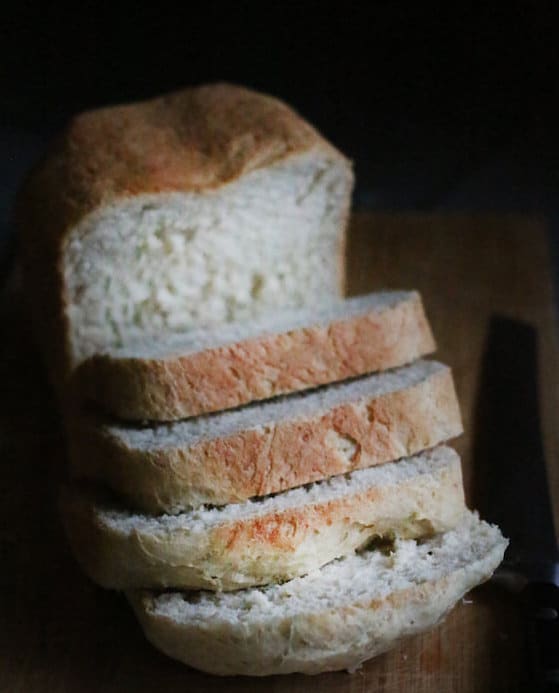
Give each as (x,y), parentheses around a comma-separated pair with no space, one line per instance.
(335,618)
(266,448)
(201,371)
(270,540)
(207,205)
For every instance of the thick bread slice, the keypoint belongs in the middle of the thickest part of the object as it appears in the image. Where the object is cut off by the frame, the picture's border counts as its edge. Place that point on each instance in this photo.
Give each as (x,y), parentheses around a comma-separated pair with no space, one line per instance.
(267,448)
(335,618)
(203,371)
(271,540)
(207,205)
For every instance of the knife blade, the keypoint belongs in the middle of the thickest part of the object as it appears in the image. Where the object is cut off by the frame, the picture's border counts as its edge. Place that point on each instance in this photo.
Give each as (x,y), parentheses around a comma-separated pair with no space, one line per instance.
(511,489)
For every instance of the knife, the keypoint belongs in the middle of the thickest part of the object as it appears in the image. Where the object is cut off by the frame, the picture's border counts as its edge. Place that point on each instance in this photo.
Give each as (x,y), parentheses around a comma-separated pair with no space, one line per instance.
(511,487)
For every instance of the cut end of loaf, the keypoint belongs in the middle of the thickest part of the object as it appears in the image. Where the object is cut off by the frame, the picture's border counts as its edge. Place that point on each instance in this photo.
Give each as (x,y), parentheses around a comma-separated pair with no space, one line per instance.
(152,263)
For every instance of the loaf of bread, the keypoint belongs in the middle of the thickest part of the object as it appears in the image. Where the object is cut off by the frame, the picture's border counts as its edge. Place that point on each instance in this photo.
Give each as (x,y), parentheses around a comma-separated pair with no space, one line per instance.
(333,618)
(186,374)
(272,446)
(271,540)
(234,426)
(206,205)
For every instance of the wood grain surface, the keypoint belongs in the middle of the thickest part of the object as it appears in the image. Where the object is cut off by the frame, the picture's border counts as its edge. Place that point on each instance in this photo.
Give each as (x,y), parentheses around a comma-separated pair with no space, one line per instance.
(61,634)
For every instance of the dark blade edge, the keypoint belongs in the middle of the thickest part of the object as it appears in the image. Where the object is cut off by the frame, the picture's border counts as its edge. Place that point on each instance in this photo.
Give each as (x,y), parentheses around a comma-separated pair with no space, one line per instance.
(510,483)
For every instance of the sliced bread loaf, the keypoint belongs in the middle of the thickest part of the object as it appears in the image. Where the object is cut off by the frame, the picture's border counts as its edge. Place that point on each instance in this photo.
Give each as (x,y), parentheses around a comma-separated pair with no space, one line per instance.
(207,205)
(270,540)
(269,447)
(201,371)
(334,618)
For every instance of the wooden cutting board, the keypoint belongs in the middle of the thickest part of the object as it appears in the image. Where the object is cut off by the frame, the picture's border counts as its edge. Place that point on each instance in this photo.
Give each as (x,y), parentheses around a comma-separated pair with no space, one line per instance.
(59,633)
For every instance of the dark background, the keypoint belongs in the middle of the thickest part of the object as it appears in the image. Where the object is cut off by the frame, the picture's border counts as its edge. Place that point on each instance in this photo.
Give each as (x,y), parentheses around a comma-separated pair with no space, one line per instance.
(441,107)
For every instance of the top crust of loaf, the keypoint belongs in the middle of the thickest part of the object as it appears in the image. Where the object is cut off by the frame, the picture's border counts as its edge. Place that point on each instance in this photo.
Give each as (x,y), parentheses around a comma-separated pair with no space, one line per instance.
(188,141)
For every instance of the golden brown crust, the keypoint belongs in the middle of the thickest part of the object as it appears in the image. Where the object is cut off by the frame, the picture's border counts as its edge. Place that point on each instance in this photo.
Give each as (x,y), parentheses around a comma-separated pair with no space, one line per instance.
(191,140)
(186,141)
(268,460)
(273,546)
(261,367)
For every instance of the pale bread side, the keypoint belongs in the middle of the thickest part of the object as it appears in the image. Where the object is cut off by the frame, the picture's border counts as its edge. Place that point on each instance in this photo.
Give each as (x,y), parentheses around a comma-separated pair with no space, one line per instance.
(332,619)
(271,540)
(270,447)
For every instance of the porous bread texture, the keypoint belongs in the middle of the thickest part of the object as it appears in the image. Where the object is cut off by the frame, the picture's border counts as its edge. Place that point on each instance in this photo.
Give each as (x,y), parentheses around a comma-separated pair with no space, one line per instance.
(210,204)
(172,344)
(172,261)
(271,540)
(334,618)
(186,374)
(269,447)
